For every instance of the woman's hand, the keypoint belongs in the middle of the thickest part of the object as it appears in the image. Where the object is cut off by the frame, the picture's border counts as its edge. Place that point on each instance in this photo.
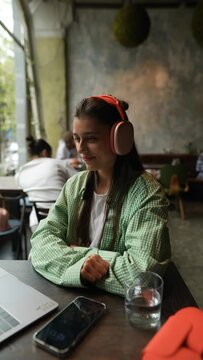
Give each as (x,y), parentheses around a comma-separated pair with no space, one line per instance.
(94,268)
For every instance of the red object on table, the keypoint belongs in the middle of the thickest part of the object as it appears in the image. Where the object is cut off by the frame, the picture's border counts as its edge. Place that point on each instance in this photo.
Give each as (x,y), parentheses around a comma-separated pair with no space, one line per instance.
(180,338)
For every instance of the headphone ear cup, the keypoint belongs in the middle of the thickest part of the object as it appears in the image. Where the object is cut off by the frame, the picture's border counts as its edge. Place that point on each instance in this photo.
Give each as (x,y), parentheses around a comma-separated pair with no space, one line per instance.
(122,137)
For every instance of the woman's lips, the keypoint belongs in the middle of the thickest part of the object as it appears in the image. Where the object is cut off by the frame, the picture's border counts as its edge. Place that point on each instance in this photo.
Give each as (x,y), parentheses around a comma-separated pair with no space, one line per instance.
(88,158)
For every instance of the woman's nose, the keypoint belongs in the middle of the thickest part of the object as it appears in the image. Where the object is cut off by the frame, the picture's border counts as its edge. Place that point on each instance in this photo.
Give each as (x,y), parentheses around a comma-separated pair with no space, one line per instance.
(81,146)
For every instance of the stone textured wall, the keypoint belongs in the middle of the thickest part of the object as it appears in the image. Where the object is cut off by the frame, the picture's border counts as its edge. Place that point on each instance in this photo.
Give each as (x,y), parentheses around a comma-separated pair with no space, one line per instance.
(162,79)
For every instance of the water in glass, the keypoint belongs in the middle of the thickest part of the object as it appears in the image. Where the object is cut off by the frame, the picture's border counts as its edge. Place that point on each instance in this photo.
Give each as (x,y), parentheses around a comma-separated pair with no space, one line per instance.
(143,307)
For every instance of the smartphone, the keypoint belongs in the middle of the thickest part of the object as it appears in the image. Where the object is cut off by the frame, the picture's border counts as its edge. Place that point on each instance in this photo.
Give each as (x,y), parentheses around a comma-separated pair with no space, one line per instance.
(61,334)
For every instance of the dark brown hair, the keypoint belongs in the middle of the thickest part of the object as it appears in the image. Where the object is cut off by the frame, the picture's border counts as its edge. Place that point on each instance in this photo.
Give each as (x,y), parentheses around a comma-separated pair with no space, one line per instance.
(37,146)
(126,169)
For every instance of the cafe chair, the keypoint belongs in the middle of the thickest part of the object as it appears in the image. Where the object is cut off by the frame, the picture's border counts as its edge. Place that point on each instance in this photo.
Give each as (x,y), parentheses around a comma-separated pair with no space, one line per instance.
(174,181)
(42,208)
(16,232)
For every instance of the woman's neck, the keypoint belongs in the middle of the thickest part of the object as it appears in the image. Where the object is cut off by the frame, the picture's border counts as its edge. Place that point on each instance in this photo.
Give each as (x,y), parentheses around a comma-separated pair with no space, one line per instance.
(35,157)
(102,182)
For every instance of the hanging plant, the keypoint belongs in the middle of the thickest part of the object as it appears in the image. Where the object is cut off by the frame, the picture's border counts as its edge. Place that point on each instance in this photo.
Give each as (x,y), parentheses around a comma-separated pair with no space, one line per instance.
(131,25)
(197,23)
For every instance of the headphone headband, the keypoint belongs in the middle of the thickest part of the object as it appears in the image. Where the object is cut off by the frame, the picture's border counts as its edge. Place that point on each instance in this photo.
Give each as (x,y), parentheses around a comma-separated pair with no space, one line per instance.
(111,100)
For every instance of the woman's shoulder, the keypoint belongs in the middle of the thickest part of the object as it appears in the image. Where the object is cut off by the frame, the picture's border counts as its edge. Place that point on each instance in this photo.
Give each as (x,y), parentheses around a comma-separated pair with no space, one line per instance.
(75,185)
(27,165)
(78,179)
(145,188)
(147,183)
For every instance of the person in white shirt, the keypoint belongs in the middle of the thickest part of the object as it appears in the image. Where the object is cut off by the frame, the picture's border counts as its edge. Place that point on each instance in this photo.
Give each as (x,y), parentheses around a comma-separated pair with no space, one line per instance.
(66,147)
(43,177)
(67,150)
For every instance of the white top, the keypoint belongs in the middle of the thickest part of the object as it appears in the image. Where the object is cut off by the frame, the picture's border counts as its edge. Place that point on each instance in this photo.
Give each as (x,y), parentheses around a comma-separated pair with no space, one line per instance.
(43,179)
(63,152)
(98,215)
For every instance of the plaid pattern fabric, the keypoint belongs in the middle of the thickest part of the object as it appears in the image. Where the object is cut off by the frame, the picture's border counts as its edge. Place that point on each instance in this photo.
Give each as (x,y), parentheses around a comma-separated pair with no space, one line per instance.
(142,241)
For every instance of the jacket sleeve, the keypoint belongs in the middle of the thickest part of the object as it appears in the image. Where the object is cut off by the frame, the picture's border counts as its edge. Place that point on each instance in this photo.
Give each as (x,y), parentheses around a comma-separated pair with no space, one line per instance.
(146,240)
(51,254)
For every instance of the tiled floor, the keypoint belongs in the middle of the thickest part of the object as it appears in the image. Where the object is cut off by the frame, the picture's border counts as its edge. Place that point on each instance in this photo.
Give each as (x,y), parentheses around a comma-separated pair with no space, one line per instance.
(187,247)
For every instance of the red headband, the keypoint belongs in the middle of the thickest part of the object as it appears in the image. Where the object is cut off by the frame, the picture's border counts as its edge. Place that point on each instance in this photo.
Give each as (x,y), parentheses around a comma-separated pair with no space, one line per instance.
(112,101)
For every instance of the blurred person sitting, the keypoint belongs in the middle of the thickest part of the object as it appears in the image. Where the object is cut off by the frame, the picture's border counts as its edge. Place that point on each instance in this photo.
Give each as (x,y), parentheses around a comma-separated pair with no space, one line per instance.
(43,177)
(67,150)
(199,166)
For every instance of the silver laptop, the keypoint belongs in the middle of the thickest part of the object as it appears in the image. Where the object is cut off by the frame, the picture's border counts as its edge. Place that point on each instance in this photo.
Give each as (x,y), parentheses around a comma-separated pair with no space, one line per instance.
(20,305)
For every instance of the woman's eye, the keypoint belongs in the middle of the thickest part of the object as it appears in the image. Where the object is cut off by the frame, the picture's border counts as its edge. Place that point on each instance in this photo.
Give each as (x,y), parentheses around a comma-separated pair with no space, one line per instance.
(76,139)
(91,139)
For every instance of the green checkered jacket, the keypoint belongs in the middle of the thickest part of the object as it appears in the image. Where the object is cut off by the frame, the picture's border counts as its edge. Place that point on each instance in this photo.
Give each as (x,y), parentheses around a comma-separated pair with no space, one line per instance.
(142,240)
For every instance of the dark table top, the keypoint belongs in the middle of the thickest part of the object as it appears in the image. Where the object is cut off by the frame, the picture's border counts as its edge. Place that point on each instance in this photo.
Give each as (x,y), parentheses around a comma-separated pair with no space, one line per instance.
(112,337)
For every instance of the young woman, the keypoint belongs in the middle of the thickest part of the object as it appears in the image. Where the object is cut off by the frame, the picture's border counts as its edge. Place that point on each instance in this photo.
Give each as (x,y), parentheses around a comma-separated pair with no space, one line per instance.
(109,221)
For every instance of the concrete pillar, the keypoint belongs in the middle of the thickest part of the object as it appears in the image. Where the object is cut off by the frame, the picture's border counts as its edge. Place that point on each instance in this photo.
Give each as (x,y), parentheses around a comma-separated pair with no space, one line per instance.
(50,20)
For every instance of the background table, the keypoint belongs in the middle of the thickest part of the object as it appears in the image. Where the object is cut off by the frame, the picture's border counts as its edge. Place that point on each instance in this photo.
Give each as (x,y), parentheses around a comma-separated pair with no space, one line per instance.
(8,186)
(112,338)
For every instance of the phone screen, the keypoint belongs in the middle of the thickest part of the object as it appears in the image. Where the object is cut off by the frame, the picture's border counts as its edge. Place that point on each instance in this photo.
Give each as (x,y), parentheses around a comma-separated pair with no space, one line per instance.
(70,325)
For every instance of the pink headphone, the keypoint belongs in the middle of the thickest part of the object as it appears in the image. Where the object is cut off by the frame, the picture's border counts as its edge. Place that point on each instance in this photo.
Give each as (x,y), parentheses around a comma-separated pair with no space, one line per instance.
(122,132)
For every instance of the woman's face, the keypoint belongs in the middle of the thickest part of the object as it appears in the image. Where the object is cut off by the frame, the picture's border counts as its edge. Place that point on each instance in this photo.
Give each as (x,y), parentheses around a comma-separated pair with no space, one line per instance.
(92,141)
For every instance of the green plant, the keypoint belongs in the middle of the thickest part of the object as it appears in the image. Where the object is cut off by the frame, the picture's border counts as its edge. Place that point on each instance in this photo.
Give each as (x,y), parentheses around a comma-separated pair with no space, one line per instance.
(7,85)
(131,25)
(7,97)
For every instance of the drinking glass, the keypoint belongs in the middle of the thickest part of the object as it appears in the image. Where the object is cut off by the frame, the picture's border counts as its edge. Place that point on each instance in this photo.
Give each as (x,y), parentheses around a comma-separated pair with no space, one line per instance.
(143,300)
